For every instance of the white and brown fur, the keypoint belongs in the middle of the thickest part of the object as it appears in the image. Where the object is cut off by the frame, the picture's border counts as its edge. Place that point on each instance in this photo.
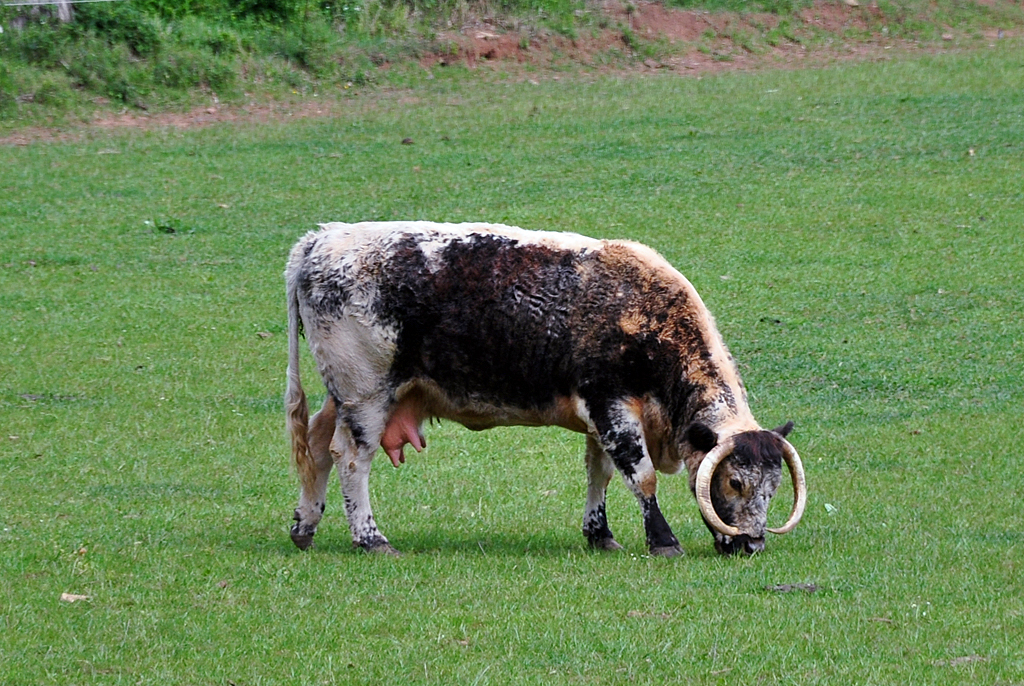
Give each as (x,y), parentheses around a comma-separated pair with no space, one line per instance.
(492,325)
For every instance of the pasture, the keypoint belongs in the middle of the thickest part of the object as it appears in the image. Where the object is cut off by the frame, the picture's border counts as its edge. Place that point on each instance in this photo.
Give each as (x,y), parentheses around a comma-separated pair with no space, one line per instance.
(857,231)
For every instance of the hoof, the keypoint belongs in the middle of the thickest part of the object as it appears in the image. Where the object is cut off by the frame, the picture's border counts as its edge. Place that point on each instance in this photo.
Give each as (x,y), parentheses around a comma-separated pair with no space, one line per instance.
(667,551)
(384,548)
(605,544)
(302,541)
(302,534)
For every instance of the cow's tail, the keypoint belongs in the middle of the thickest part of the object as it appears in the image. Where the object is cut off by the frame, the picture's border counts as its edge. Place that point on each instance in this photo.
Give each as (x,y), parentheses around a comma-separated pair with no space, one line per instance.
(296,406)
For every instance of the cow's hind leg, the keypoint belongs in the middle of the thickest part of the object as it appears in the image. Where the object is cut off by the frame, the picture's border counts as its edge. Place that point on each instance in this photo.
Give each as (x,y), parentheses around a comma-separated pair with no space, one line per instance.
(313,493)
(355,442)
(621,435)
(595,519)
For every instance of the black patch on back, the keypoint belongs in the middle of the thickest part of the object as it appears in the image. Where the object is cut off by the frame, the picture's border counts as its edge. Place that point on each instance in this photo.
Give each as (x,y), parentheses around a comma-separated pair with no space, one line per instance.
(493,323)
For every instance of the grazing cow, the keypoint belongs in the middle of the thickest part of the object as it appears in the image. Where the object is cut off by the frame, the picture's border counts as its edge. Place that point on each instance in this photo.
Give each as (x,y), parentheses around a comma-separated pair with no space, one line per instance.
(490,325)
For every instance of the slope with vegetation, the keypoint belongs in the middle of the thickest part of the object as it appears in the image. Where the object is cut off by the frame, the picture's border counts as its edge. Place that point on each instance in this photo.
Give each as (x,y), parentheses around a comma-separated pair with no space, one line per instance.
(154,55)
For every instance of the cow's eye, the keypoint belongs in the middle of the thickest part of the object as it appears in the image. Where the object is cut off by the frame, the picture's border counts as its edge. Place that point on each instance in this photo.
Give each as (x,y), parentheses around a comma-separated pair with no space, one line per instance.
(736,484)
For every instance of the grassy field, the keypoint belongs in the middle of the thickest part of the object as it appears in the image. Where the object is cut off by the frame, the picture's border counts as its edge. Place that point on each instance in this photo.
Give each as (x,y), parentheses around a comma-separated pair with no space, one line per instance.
(857,232)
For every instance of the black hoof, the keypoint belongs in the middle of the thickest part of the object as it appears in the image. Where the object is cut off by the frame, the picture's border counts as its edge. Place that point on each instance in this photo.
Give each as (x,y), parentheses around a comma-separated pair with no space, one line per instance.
(608,543)
(667,551)
(302,539)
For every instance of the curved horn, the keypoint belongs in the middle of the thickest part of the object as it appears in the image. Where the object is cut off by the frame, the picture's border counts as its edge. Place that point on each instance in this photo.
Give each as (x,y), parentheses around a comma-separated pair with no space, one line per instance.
(703,488)
(796,471)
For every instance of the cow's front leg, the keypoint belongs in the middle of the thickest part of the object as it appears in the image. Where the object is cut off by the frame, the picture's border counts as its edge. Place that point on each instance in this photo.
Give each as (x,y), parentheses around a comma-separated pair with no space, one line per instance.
(313,489)
(595,519)
(620,432)
(353,447)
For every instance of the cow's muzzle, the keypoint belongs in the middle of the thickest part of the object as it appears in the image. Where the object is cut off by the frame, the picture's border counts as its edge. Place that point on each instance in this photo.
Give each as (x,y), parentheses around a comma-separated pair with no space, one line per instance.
(747,545)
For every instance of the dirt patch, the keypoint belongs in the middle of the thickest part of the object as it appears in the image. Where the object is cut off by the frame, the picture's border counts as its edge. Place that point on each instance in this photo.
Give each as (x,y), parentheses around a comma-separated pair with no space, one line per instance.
(478,47)
(196,118)
(487,45)
(205,116)
(651,20)
(1000,34)
(837,18)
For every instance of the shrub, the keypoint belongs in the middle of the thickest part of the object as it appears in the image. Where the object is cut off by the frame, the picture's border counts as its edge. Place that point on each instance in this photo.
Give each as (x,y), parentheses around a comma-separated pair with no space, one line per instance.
(266,10)
(39,42)
(311,45)
(379,18)
(8,90)
(193,68)
(279,10)
(98,67)
(197,33)
(118,22)
(52,89)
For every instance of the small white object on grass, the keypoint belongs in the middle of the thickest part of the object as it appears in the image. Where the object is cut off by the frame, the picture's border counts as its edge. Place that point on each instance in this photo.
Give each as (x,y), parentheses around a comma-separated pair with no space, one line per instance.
(71,597)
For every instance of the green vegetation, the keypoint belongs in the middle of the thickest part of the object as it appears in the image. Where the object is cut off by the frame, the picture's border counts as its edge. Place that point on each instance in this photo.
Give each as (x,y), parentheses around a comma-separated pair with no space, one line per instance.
(154,55)
(855,230)
(134,58)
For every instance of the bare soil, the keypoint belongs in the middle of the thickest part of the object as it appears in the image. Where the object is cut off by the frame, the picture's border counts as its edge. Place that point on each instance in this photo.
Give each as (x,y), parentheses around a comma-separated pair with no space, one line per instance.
(637,37)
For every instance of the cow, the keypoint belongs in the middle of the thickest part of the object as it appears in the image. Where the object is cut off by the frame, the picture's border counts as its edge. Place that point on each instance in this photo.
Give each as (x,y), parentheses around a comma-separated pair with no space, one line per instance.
(490,325)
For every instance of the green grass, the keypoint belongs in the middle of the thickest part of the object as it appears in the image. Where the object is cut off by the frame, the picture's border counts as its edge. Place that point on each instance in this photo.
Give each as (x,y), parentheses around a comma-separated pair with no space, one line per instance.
(863,265)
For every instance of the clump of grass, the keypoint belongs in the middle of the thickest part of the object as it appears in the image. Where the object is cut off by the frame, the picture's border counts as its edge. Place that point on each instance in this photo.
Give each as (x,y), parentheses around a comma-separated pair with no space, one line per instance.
(783,31)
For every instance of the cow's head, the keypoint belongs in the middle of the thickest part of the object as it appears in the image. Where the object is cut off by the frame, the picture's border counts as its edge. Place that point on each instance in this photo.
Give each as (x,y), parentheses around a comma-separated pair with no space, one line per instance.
(737,479)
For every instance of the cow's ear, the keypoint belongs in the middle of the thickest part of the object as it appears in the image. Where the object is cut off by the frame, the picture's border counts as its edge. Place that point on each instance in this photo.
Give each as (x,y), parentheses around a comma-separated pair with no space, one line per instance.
(701,437)
(784,429)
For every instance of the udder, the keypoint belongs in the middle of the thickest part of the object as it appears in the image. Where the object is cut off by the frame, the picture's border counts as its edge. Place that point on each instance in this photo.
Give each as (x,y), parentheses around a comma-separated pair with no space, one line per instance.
(403,428)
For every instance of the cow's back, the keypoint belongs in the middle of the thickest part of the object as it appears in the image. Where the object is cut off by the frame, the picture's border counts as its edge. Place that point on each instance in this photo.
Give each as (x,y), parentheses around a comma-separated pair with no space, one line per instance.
(484,311)
(496,314)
